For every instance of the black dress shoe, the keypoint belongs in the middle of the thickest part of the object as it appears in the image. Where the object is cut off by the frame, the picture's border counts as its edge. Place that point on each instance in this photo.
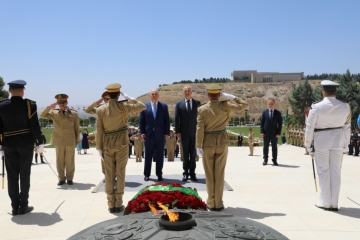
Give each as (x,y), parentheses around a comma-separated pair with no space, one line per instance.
(112,210)
(194,178)
(275,163)
(219,209)
(70,182)
(61,183)
(185,178)
(146,178)
(211,209)
(119,209)
(160,178)
(265,163)
(25,210)
(15,211)
(42,162)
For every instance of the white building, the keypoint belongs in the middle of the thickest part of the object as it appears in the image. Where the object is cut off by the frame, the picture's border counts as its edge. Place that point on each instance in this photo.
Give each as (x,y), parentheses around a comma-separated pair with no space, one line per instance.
(261,77)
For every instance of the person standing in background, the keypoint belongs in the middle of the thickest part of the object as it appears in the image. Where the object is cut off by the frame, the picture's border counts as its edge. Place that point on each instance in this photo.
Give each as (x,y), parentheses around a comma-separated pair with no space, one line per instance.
(65,136)
(270,129)
(251,142)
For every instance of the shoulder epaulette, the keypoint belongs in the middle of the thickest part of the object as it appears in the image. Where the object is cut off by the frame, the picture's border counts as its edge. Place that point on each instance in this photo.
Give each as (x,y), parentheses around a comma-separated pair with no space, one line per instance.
(56,109)
(122,101)
(316,102)
(73,110)
(30,100)
(224,100)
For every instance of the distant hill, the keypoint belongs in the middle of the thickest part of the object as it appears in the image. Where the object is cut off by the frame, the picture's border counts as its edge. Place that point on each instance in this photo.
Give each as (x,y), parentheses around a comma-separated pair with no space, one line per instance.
(255,94)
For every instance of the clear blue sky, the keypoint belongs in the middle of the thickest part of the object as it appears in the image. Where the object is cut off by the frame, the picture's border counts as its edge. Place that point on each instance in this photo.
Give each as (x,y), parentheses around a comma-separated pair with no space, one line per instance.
(79,47)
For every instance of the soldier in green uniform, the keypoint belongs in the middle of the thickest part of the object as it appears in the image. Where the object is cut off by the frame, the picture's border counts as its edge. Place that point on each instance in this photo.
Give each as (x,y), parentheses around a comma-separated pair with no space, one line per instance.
(112,142)
(65,136)
(19,130)
(212,138)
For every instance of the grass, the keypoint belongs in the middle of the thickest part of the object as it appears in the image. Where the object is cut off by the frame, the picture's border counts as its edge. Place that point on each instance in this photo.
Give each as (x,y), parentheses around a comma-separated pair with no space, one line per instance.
(256,130)
(48,131)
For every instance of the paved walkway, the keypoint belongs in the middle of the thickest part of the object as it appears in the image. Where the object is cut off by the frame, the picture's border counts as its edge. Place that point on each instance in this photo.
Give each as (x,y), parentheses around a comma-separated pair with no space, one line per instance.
(281,197)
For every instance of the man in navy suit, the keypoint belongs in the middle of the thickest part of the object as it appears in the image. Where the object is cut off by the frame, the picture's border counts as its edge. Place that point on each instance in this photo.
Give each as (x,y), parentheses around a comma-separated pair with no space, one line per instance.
(185,126)
(270,129)
(155,129)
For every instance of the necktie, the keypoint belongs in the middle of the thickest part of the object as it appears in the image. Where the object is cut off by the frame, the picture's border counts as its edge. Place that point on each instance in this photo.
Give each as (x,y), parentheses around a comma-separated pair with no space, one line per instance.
(271,114)
(63,112)
(188,107)
(154,111)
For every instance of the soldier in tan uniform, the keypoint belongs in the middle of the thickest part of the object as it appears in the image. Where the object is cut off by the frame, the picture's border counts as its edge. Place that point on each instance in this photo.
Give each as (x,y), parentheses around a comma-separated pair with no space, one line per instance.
(91,109)
(170,146)
(112,142)
(212,138)
(251,141)
(139,146)
(65,136)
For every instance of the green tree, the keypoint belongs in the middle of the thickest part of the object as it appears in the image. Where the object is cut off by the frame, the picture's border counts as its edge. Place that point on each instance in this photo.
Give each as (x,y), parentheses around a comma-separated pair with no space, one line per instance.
(301,96)
(349,91)
(3,93)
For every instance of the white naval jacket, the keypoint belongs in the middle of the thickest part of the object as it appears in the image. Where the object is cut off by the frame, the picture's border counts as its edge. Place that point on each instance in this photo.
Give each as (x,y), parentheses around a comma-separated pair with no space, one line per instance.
(329,113)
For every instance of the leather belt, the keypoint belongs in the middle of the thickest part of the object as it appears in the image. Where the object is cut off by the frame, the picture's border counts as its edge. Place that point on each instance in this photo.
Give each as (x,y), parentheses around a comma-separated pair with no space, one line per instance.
(123,129)
(216,131)
(325,129)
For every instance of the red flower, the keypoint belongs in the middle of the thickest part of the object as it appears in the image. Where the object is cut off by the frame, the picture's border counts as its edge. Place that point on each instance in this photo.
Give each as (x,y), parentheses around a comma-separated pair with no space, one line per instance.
(175,196)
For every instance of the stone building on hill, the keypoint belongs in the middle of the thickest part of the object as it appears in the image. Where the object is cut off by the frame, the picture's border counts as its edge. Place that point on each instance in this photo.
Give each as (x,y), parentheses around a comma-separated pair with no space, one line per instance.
(265,77)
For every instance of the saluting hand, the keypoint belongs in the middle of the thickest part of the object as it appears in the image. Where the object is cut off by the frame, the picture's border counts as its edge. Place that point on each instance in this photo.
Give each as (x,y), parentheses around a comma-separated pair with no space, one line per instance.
(53,105)
(99,101)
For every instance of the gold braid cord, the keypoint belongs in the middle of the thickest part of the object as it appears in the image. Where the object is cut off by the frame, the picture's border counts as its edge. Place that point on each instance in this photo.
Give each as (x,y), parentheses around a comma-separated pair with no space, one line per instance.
(29,110)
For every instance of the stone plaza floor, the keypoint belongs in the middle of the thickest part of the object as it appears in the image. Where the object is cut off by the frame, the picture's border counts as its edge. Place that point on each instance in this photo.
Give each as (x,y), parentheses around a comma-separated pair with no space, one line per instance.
(281,197)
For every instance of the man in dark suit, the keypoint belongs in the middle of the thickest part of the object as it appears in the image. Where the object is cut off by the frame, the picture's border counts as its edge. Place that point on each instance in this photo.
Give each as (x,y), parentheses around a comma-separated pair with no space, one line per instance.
(240,139)
(185,126)
(270,129)
(155,129)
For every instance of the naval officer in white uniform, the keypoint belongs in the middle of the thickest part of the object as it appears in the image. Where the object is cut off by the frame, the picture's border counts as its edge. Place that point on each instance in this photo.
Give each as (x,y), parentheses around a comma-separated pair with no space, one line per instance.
(328,128)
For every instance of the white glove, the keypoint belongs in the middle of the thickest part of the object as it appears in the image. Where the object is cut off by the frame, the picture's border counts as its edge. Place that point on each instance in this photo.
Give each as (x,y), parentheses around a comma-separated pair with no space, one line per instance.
(227,95)
(100,152)
(199,151)
(310,150)
(127,96)
(1,152)
(40,148)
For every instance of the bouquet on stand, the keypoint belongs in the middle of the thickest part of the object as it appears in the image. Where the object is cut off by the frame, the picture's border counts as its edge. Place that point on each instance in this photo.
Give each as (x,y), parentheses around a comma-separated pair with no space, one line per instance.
(171,195)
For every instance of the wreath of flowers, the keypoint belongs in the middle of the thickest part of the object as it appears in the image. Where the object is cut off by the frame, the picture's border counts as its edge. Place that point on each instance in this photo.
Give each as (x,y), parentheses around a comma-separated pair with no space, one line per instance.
(171,195)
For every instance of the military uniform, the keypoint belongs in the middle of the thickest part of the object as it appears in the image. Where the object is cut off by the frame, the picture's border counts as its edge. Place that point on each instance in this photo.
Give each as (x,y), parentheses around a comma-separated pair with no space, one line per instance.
(112,142)
(328,125)
(139,146)
(65,136)
(171,146)
(19,130)
(212,137)
(251,143)
(91,109)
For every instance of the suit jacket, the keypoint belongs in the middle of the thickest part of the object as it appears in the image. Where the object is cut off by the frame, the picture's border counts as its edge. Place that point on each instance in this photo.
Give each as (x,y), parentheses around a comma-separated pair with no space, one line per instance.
(185,123)
(159,126)
(271,126)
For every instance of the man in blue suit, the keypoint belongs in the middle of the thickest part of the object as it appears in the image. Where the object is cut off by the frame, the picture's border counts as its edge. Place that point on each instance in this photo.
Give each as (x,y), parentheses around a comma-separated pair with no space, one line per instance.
(270,129)
(185,126)
(155,129)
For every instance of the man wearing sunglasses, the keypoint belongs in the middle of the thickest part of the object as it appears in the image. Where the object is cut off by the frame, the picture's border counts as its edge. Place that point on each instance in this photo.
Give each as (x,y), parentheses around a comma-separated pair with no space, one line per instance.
(65,136)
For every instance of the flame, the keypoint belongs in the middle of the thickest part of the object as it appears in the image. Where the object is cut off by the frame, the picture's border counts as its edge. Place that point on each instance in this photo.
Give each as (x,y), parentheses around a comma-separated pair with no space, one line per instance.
(173,216)
(152,208)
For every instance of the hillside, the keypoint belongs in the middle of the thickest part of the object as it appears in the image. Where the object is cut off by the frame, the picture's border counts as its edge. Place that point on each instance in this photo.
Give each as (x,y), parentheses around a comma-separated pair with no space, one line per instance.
(255,94)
